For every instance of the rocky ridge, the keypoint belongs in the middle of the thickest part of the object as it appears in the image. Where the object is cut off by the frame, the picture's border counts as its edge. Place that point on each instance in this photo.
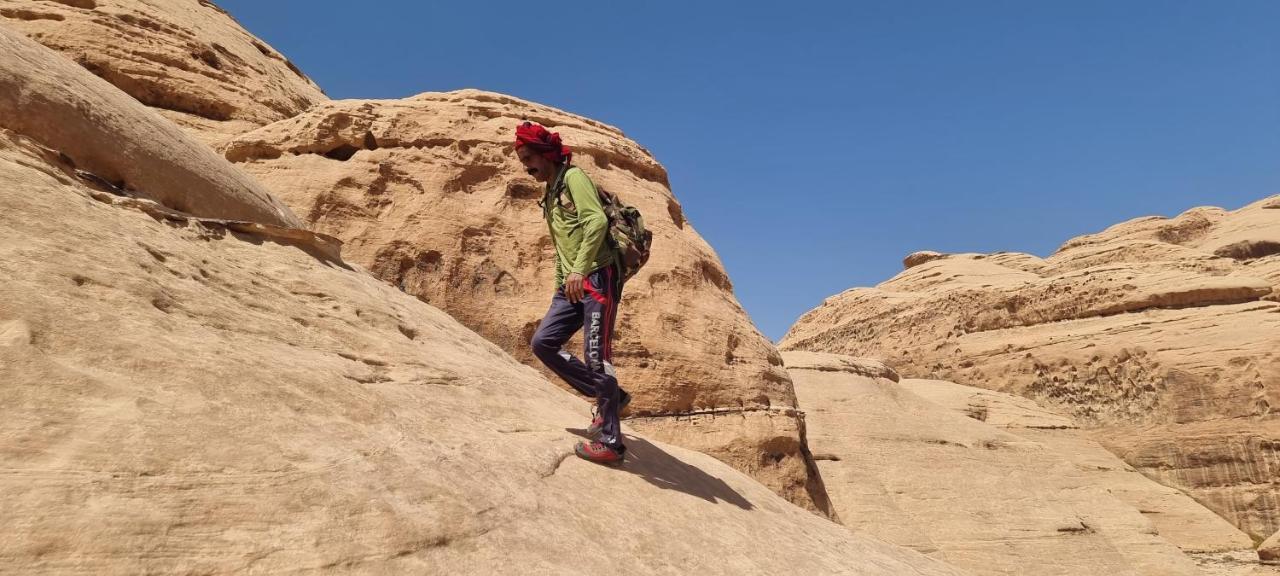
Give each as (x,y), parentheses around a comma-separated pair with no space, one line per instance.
(1159,334)
(188,59)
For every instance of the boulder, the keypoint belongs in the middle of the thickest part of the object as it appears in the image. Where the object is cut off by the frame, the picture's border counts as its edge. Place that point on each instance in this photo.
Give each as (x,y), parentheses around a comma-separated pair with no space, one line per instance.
(187,59)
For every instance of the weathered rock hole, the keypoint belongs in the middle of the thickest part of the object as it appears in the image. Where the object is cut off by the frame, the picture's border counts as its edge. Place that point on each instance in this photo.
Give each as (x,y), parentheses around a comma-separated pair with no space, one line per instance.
(210,58)
(342,153)
(470,176)
(522,190)
(294,69)
(1248,249)
(263,49)
(85,4)
(18,14)
(676,212)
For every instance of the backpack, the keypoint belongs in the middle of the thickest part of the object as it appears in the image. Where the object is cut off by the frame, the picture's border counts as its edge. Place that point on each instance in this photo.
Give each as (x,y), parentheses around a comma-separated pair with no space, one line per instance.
(627,233)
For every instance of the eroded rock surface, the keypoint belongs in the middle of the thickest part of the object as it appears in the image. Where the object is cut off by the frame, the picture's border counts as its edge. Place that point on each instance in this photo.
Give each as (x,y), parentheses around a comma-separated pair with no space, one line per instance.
(123,144)
(1162,335)
(183,396)
(427,194)
(188,59)
(989,482)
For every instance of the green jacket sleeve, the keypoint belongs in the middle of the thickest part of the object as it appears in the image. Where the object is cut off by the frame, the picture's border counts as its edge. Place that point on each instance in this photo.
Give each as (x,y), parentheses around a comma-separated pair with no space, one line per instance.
(595,224)
(559,271)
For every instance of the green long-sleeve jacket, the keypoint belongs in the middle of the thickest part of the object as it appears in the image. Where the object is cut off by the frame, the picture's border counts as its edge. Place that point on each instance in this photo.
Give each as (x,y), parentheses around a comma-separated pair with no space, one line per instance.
(577,223)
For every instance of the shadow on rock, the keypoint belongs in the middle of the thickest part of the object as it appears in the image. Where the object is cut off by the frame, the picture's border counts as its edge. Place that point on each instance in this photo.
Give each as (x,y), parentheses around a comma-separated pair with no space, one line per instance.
(665,471)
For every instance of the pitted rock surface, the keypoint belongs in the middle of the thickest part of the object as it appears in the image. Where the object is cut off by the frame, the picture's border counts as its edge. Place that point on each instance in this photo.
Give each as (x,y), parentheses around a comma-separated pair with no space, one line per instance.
(427,194)
(189,396)
(188,59)
(1161,335)
(990,482)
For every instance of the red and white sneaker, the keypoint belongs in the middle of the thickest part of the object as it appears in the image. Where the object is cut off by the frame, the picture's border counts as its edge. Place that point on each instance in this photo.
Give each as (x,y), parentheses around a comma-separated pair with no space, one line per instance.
(598,453)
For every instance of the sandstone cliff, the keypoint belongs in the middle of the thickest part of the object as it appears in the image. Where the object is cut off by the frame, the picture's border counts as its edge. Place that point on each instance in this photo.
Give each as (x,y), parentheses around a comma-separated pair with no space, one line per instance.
(196,395)
(1160,334)
(427,194)
(989,482)
(188,59)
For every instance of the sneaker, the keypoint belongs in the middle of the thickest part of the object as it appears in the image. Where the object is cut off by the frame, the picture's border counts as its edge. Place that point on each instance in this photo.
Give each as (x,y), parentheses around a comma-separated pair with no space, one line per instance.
(599,453)
(597,420)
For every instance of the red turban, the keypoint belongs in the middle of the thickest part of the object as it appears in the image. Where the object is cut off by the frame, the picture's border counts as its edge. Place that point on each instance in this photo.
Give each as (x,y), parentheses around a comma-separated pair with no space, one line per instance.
(543,142)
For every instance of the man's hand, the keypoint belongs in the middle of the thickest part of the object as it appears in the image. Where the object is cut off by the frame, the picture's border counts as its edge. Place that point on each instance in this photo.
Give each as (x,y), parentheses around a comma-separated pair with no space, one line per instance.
(573,288)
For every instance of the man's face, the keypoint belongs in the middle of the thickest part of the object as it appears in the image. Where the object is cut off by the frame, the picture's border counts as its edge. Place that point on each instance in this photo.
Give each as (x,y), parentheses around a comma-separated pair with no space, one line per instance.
(535,164)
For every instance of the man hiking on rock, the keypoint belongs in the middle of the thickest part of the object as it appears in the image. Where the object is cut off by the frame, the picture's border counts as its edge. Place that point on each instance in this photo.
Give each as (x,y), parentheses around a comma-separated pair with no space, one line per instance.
(587,286)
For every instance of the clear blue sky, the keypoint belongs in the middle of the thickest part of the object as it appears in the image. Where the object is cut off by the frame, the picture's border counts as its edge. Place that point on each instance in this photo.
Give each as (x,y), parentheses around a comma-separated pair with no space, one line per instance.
(814,144)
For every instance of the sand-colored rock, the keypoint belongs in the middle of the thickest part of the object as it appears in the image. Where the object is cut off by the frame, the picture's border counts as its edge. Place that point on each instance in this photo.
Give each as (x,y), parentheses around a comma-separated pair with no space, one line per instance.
(961,480)
(188,59)
(427,194)
(116,139)
(1182,521)
(181,397)
(1269,550)
(1161,335)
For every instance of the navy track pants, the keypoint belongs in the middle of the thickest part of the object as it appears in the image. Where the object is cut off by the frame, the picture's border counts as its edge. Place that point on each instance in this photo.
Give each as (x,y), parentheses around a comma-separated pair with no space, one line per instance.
(595,314)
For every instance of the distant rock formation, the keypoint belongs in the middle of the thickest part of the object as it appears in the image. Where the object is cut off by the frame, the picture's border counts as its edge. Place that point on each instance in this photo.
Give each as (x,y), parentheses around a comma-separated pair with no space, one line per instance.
(1162,335)
(989,482)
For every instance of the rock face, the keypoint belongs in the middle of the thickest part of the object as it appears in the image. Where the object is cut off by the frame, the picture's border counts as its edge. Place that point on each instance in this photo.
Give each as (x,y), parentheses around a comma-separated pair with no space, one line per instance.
(183,396)
(1161,335)
(428,195)
(187,58)
(989,482)
(430,199)
(112,136)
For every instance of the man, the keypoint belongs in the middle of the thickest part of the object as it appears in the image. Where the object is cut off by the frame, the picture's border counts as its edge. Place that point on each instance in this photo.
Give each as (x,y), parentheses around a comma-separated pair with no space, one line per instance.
(587,287)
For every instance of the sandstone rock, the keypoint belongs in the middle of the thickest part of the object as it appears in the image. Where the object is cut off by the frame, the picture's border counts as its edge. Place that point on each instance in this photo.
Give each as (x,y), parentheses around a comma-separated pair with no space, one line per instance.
(918,258)
(181,397)
(976,494)
(1269,550)
(1182,521)
(108,134)
(428,195)
(188,59)
(1158,334)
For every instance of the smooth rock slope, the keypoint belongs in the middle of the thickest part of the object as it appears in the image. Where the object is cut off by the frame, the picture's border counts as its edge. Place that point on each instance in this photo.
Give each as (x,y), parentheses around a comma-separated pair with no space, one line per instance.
(428,195)
(982,495)
(182,396)
(188,59)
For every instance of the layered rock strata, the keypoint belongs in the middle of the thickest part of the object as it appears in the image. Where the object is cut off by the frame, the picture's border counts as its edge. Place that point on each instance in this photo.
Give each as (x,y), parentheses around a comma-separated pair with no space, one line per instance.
(188,59)
(442,163)
(989,482)
(1162,335)
(192,395)
(427,194)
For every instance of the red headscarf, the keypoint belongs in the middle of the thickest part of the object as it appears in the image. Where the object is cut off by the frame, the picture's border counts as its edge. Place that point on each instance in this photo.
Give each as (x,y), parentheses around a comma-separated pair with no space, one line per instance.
(543,142)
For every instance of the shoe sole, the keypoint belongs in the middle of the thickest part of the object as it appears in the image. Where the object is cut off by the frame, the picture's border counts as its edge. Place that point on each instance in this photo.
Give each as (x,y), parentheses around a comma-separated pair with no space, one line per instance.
(617,462)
